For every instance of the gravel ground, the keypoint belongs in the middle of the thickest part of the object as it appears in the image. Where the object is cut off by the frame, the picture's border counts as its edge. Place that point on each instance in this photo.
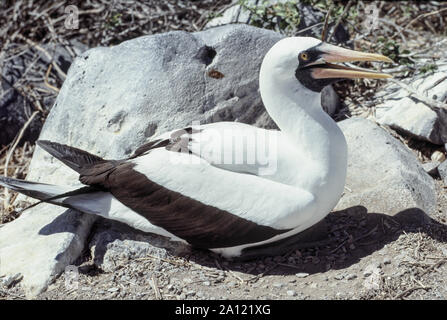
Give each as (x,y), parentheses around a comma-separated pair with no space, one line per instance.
(368,256)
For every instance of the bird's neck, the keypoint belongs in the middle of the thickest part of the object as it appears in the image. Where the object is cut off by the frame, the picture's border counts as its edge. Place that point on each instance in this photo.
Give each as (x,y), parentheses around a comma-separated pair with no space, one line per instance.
(298,113)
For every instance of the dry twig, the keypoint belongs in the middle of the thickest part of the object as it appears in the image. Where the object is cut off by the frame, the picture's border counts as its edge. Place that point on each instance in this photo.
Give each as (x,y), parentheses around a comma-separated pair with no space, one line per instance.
(6,203)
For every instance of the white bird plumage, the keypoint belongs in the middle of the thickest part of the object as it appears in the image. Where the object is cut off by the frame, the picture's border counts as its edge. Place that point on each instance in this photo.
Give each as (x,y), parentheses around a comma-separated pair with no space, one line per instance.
(310,153)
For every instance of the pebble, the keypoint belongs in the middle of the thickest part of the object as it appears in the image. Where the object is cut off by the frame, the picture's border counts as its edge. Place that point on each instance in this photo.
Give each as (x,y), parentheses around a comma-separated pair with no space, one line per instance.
(438,156)
(278,285)
(339,277)
(114,289)
(386,260)
(367,273)
(206,283)
(302,275)
(191,293)
(351,276)
(200,294)
(11,280)
(291,293)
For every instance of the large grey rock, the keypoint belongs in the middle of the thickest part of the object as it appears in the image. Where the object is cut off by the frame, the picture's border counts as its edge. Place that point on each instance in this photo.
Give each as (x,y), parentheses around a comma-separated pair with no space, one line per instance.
(114,99)
(383,175)
(40,244)
(405,113)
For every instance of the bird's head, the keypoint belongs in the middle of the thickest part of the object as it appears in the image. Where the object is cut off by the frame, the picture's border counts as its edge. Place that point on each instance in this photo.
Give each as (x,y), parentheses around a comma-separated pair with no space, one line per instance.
(313,63)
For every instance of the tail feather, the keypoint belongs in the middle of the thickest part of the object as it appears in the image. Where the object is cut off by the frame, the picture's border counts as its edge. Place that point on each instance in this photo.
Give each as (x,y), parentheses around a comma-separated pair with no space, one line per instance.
(33,189)
(75,158)
(44,192)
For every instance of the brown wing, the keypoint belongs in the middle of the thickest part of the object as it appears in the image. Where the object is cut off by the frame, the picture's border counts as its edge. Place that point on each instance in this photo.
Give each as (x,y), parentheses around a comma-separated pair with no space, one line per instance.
(201,225)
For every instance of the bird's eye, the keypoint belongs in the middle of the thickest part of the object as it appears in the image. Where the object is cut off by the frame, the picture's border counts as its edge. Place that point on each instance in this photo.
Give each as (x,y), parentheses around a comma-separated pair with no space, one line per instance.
(304,56)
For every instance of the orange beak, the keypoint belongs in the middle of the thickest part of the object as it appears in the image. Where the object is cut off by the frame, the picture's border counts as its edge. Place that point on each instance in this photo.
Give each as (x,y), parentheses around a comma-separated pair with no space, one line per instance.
(331,53)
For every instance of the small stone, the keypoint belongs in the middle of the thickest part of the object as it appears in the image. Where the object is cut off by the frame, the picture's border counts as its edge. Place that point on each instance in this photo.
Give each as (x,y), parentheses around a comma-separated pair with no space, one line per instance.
(291,293)
(438,156)
(351,276)
(200,294)
(191,293)
(11,280)
(339,277)
(386,260)
(114,289)
(301,275)
(206,283)
(278,285)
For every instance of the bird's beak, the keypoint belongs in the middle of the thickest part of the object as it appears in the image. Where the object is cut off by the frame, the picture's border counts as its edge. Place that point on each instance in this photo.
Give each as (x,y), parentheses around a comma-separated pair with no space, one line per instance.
(324,67)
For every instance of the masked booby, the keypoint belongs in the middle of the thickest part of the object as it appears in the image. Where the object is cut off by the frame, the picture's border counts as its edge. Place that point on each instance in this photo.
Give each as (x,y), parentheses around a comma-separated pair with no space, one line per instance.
(175,186)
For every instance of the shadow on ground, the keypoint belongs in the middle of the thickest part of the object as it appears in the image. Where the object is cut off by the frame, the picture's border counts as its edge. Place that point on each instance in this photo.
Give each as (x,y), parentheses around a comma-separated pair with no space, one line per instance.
(340,240)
